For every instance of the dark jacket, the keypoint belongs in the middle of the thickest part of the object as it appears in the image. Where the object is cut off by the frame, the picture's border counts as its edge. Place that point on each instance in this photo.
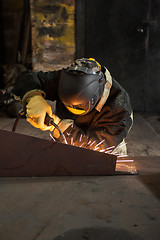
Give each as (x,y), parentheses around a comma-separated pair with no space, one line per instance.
(110,125)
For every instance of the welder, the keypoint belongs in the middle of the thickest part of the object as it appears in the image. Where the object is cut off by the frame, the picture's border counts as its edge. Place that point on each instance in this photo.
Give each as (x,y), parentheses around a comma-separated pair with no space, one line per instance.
(92,109)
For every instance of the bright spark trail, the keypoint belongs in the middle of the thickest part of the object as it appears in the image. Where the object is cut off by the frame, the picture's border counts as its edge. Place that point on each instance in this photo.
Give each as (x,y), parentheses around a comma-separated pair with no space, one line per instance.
(92,143)
(109,150)
(80,138)
(52,137)
(100,143)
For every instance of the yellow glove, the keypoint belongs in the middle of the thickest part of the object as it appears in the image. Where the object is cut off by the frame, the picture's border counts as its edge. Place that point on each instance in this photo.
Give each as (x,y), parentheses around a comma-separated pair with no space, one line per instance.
(37,108)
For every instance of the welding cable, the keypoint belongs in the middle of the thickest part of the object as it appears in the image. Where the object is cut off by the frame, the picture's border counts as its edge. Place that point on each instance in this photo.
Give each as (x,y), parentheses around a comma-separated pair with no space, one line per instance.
(50,121)
(60,131)
(21,112)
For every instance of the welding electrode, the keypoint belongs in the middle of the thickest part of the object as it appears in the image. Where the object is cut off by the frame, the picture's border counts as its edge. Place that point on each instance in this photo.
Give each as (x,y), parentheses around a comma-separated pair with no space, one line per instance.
(50,121)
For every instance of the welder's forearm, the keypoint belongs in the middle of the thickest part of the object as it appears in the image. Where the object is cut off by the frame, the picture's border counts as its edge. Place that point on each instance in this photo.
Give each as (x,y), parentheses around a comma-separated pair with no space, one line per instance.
(32,82)
(26,82)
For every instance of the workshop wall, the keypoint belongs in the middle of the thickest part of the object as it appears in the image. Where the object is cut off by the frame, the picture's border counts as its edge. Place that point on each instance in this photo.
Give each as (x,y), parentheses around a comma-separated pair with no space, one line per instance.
(125,37)
(52,25)
(15,40)
(11,14)
(35,34)
(53,33)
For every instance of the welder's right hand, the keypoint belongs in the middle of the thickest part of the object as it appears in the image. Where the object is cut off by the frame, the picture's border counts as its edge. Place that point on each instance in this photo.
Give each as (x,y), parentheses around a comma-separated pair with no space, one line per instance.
(36,110)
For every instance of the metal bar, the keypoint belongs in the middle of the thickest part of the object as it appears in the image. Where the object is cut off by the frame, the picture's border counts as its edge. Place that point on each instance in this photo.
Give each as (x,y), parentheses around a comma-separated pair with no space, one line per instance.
(22,156)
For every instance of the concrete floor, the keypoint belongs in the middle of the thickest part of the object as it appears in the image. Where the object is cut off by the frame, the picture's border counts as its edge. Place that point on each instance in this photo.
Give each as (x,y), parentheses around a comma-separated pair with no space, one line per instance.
(120,207)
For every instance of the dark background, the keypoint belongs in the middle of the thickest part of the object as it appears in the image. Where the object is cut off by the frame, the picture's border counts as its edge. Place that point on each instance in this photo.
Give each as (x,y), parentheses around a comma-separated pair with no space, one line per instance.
(122,35)
(125,37)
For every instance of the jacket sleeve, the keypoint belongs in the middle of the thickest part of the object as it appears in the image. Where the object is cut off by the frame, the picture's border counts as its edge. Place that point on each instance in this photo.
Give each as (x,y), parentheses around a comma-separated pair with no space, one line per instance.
(43,81)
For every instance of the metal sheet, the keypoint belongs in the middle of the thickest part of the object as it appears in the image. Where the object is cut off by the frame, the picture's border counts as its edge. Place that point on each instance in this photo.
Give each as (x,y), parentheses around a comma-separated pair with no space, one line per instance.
(22,155)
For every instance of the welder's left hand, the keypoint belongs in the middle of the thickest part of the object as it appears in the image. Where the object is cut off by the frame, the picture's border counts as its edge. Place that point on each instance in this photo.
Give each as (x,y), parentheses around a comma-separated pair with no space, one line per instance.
(36,110)
(44,128)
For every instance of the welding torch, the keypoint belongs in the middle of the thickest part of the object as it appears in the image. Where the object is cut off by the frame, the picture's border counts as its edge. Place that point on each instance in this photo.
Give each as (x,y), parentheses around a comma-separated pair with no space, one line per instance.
(48,121)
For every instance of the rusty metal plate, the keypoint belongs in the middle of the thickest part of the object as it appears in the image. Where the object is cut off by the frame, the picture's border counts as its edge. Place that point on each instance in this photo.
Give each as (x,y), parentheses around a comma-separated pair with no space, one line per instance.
(22,155)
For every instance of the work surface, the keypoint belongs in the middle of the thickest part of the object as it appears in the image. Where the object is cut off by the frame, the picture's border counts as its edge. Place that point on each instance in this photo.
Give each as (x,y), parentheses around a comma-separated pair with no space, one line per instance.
(87,208)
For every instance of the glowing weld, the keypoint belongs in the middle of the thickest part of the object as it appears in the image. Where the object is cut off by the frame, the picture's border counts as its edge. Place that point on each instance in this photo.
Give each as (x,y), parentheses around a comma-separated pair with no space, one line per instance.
(68,134)
(89,142)
(71,140)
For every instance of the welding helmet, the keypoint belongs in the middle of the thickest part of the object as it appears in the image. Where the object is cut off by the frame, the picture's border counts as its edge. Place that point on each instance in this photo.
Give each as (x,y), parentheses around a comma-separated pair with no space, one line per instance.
(81,86)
